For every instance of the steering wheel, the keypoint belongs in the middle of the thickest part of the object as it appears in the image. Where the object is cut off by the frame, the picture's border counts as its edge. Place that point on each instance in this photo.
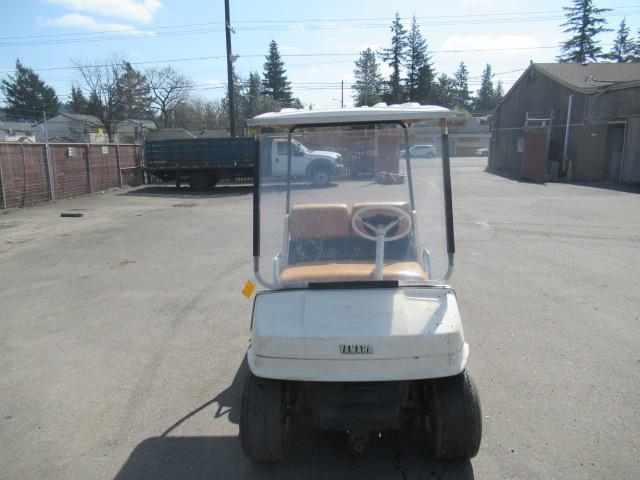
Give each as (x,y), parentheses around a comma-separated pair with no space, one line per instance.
(391,221)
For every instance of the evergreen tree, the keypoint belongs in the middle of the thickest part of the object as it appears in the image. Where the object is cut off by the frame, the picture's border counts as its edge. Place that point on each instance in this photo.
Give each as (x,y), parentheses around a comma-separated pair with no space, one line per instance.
(445,91)
(498,94)
(239,97)
(368,80)
(27,95)
(426,85)
(275,83)
(395,56)
(95,106)
(585,21)
(77,103)
(488,96)
(133,93)
(253,96)
(462,94)
(623,47)
(419,81)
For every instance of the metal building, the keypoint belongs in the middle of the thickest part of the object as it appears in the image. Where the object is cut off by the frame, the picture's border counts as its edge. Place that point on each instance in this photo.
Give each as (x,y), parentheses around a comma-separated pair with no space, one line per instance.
(532,138)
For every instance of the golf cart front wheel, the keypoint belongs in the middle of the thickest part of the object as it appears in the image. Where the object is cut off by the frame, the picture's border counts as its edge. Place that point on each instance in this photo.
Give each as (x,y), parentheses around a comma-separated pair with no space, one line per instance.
(455,417)
(264,424)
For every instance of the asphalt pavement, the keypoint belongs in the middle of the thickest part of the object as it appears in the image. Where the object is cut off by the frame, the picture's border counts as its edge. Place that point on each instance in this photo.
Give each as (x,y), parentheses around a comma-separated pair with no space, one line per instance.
(124,332)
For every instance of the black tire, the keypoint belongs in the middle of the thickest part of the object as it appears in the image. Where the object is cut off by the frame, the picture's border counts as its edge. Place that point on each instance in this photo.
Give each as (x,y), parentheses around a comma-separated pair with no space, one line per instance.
(455,417)
(264,424)
(200,181)
(485,154)
(320,176)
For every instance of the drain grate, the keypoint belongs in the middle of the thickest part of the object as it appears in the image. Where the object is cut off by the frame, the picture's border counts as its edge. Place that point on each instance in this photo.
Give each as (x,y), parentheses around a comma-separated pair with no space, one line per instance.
(184,205)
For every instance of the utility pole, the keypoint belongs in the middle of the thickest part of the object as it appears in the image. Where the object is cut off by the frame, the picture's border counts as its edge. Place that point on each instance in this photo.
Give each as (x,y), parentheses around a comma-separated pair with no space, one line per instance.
(341,93)
(232,109)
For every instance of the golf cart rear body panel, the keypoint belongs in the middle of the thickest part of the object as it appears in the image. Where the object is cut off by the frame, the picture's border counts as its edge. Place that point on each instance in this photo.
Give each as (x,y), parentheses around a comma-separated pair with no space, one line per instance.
(357,334)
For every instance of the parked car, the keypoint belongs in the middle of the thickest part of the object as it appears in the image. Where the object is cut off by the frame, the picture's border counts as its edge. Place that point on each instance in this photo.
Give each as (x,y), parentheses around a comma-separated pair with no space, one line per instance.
(421,151)
(482,152)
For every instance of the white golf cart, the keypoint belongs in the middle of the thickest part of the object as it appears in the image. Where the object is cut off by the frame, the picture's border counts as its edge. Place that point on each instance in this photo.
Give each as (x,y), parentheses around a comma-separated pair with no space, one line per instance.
(357,329)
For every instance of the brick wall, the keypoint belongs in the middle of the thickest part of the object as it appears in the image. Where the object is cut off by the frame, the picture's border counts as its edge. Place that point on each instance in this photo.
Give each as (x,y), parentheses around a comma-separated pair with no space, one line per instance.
(76,169)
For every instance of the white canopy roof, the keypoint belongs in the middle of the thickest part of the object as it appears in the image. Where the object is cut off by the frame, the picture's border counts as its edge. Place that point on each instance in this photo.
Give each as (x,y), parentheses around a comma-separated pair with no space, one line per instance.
(381,112)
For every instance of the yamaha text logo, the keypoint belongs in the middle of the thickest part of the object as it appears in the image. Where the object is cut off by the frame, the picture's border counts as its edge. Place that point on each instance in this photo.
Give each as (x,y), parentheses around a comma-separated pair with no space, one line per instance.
(356,349)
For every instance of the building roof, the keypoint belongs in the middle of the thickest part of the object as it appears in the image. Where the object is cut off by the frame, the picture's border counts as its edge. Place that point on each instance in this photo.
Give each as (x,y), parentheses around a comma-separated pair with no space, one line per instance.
(217,133)
(16,126)
(81,117)
(169,134)
(381,112)
(131,124)
(591,76)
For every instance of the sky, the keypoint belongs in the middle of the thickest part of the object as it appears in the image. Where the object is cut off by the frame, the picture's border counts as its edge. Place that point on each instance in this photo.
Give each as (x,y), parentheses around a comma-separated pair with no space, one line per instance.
(319,40)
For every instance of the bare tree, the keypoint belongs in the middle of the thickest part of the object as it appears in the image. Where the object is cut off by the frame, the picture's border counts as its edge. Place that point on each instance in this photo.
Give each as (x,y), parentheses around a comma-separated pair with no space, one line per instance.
(169,89)
(199,113)
(102,82)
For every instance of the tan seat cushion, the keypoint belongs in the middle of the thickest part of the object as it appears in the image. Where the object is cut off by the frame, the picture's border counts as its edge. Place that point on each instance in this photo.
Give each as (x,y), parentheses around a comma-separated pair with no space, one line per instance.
(319,221)
(337,272)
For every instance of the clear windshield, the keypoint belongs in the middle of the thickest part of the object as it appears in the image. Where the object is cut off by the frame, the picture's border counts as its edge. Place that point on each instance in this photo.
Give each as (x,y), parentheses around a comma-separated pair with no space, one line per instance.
(343,210)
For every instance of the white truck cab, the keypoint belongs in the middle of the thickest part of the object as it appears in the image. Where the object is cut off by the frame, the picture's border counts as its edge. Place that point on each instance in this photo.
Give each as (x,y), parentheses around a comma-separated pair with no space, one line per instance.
(317,166)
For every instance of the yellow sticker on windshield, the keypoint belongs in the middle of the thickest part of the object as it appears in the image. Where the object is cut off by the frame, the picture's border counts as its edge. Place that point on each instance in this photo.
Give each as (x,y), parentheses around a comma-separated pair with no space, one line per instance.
(248,288)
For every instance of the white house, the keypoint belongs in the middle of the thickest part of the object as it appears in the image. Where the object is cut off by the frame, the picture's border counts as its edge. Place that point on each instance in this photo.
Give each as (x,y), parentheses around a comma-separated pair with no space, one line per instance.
(17,132)
(73,127)
(133,130)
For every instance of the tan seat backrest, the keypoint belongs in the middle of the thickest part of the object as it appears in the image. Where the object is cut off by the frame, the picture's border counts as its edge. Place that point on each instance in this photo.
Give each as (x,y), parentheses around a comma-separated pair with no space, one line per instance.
(319,221)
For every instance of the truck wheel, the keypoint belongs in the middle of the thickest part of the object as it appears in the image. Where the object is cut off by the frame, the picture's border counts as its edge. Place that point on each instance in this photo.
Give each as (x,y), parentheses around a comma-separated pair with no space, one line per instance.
(455,417)
(199,181)
(264,423)
(320,177)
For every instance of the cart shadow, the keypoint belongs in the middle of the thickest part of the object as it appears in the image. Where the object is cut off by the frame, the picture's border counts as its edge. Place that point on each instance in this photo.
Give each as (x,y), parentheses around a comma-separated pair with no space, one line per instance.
(601,184)
(313,453)
(186,192)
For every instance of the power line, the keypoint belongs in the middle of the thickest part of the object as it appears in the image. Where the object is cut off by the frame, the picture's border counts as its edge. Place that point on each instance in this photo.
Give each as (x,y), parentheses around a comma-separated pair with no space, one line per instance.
(314,54)
(307,20)
(333,24)
(132,63)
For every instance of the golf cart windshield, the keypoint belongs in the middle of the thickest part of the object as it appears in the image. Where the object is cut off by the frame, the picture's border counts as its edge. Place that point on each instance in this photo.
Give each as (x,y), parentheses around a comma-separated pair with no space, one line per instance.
(375,217)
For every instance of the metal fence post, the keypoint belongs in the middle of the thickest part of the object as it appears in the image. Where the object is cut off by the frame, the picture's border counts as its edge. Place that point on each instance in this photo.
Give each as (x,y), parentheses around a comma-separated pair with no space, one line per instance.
(50,172)
(24,168)
(118,165)
(4,195)
(89,168)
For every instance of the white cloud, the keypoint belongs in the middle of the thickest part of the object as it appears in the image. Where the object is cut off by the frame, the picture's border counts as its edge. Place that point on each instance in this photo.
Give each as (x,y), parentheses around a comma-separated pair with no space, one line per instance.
(289,49)
(488,42)
(131,10)
(481,3)
(332,40)
(297,26)
(75,20)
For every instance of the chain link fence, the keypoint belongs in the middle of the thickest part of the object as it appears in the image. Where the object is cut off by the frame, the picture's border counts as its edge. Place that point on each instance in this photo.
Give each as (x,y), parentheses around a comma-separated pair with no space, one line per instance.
(31,174)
